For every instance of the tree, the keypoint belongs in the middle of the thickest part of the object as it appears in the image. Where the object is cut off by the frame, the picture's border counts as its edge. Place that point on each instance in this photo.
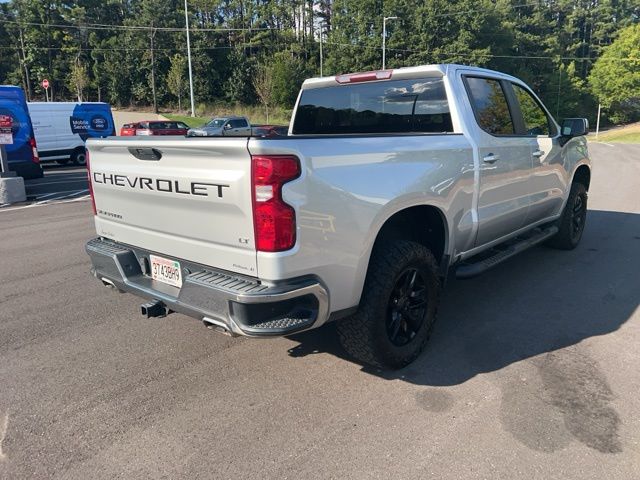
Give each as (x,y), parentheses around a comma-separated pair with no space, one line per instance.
(288,72)
(176,77)
(239,86)
(615,78)
(78,79)
(263,84)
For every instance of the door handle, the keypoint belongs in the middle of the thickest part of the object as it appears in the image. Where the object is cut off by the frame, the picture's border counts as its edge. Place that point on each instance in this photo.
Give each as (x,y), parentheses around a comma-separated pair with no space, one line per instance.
(491,158)
(145,153)
(538,153)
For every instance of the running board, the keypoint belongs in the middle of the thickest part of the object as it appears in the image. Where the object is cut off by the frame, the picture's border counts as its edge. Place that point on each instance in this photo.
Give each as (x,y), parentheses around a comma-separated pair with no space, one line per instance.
(499,254)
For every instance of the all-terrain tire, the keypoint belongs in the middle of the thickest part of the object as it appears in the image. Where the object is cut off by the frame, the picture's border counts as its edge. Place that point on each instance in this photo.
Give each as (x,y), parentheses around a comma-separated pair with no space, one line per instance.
(365,335)
(573,219)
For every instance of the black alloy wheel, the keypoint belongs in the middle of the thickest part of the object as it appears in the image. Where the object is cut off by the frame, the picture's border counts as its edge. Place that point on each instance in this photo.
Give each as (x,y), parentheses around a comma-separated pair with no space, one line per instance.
(578,216)
(407,308)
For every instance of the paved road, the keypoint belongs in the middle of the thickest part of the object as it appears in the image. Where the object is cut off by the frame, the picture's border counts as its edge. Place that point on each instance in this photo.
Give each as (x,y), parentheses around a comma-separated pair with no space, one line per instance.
(59,183)
(121,117)
(532,372)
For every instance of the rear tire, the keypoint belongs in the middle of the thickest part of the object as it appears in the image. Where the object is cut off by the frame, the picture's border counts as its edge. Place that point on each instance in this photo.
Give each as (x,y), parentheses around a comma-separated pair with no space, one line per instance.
(397,309)
(573,219)
(79,157)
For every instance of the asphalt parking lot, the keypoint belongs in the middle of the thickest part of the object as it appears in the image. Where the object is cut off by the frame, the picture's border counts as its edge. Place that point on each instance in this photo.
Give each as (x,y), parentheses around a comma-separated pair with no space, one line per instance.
(532,371)
(60,182)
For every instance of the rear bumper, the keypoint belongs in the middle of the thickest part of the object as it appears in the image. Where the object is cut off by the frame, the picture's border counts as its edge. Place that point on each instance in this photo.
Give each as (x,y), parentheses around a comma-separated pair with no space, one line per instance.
(240,305)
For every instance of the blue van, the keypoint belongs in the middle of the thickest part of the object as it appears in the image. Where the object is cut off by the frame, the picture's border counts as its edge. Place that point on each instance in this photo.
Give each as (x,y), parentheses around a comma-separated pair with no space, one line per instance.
(22,154)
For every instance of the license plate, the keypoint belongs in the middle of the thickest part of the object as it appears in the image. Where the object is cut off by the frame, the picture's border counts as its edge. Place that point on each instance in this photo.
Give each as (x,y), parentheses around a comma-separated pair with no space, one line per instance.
(166,271)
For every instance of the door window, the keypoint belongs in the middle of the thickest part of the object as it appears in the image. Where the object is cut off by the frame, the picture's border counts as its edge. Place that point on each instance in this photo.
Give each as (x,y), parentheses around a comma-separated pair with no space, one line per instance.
(238,123)
(490,105)
(536,120)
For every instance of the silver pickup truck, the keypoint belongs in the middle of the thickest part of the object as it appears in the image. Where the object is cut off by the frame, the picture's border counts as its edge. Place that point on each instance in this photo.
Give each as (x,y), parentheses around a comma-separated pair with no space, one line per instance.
(387,183)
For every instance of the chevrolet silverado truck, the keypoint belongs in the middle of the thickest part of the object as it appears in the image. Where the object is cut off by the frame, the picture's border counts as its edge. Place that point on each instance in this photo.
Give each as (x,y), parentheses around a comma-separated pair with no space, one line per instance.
(387,183)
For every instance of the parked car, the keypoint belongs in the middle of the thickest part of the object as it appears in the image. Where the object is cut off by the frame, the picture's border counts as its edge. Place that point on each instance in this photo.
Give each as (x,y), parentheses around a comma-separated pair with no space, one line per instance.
(269,130)
(389,182)
(128,129)
(22,154)
(161,127)
(223,127)
(62,128)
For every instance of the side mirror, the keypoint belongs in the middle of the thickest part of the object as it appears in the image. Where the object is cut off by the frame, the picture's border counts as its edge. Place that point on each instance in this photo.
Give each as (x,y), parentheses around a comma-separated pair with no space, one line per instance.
(227,126)
(575,127)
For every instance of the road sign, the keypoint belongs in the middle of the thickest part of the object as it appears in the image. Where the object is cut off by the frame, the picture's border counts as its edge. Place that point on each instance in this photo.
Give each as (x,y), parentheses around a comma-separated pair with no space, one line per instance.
(6,137)
(45,83)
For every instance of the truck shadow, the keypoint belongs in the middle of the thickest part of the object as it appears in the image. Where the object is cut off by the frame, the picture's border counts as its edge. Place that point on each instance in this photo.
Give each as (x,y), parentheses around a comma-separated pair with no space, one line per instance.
(539,302)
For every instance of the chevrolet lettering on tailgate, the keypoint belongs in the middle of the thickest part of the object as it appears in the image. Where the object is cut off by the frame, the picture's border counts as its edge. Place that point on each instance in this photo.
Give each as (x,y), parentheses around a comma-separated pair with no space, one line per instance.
(159,184)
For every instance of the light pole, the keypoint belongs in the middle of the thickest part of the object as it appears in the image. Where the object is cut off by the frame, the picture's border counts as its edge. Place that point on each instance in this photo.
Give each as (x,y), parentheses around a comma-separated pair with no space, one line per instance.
(384,39)
(321,53)
(186,21)
(322,27)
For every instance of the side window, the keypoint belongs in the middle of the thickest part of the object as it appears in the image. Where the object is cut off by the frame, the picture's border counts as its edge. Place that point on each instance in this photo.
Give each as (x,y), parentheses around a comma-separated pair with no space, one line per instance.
(490,105)
(536,121)
(238,123)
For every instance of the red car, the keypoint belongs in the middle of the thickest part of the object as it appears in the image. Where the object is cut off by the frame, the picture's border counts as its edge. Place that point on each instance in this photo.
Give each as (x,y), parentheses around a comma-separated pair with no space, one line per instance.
(154,127)
(128,129)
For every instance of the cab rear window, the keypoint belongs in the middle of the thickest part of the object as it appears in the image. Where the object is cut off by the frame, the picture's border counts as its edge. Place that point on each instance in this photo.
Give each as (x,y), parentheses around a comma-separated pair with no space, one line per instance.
(393,106)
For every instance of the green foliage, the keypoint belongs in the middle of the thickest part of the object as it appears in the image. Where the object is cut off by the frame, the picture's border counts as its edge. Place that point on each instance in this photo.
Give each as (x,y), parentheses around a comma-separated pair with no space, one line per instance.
(288,72)
(615,78)
(78,79)
(552,45)
(238,88)
(177,81)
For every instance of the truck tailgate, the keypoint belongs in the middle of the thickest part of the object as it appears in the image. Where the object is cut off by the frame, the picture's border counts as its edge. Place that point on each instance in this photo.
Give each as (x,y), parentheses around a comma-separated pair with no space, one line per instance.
(182,198)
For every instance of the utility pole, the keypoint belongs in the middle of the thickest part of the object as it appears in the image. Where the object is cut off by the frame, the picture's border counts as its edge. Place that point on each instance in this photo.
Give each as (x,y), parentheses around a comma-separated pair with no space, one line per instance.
(598,121)
(186,21)
(153,70)
(384,39)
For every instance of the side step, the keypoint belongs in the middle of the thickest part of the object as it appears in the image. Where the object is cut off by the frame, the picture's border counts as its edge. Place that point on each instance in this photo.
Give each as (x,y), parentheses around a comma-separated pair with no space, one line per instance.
(471,268)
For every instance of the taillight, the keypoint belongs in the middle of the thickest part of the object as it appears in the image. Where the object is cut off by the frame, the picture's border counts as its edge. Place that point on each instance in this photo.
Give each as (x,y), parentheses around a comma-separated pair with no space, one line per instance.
(274,220)
(93,198)
(35,158)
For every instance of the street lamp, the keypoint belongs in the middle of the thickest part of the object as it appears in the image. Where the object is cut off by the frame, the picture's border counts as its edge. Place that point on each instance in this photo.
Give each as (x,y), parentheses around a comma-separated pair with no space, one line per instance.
(384,38)
(322,28)
(186,21)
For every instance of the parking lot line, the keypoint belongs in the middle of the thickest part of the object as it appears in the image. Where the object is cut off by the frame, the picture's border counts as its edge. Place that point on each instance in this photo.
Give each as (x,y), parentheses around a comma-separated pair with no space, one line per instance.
(44,184)
(51,201)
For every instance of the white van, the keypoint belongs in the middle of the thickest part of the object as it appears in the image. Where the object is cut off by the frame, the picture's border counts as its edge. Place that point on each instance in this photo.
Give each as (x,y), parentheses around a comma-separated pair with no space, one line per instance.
(61,128)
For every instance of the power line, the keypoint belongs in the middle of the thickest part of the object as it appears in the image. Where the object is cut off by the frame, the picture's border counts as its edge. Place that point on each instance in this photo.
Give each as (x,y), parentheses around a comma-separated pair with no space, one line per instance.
(426,52)
(99,26)
(479,54)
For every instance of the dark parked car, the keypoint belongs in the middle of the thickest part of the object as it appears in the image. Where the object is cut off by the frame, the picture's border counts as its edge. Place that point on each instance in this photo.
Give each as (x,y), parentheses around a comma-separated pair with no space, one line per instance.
(154,127)
(162,128)
(269,130)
